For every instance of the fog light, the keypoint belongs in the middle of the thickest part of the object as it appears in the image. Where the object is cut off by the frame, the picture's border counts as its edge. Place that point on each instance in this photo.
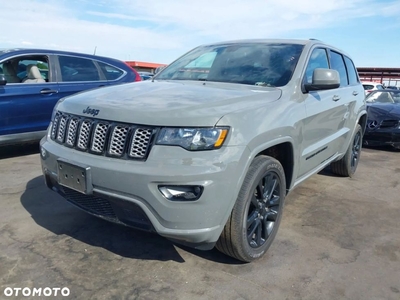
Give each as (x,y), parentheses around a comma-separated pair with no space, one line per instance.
(181,192)
(43,152)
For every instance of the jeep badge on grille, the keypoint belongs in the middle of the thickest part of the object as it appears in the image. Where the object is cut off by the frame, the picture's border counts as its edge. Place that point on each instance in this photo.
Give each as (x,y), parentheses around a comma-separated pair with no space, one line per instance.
(91,111)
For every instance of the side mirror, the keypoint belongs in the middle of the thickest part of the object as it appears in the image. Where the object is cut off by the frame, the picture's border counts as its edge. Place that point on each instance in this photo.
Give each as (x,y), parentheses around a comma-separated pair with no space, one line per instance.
(323,79)
(3,80)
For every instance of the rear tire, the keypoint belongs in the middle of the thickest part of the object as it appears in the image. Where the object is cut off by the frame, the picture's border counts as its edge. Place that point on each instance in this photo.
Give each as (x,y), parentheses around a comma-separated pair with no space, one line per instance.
(347,166)
(255,218)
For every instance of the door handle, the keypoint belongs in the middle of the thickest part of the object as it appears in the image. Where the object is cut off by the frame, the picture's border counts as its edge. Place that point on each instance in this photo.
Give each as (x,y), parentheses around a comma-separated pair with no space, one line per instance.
(335,98)
(355,93)
(47,91)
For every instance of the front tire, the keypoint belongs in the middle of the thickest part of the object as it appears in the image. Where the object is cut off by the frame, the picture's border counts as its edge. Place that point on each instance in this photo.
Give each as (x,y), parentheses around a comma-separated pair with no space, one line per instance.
(255,218)
(347,166)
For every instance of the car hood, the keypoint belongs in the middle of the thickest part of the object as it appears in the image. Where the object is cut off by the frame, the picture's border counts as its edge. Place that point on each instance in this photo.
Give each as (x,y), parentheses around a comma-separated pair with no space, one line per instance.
(379,111)
(168,103)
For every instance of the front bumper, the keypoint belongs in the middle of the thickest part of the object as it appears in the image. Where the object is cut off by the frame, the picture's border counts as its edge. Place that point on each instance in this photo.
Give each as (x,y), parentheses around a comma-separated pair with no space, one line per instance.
(126,192)
(383,137)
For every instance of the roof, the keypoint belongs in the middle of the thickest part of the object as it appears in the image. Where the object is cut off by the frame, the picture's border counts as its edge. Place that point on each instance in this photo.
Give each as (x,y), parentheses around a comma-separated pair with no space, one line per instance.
(18,51)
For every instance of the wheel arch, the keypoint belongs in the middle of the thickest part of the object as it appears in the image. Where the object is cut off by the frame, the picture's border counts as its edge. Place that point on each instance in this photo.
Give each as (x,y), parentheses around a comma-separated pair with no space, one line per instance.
(363,122)
(284,153)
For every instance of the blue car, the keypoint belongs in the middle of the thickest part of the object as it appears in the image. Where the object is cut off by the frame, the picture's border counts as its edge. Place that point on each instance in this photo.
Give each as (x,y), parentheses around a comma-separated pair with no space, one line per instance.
(32,81)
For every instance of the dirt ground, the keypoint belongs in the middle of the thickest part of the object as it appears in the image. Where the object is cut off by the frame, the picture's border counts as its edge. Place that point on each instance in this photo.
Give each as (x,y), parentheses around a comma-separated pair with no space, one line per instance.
(339,239)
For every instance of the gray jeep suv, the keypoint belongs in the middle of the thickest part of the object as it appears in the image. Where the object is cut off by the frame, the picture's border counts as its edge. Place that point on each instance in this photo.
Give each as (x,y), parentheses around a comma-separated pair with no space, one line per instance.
(205,152)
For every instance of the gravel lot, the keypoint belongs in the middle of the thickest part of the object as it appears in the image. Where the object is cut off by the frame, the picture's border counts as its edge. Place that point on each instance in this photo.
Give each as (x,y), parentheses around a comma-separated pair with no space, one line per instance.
(339,239)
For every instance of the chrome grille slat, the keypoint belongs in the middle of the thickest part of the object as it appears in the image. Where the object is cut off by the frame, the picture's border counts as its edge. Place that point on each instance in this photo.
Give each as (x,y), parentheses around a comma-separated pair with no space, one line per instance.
(71,131)
(118,140)
(61,129)
(140,142)
(102,137)
(54,127)
(84,134)
(99,137)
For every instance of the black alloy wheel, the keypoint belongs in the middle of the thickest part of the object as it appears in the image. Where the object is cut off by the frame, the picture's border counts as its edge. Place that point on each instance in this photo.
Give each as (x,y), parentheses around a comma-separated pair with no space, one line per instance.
(263,209)
(256,215)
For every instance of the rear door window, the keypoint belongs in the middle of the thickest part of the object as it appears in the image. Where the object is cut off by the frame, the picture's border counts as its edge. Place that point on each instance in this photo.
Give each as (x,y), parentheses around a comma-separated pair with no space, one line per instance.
(351,71)
(337,63)
(78,69)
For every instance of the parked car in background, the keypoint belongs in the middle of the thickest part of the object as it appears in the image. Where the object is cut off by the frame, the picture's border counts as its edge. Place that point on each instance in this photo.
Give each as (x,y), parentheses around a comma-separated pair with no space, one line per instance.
(383,125)
(391,87)
(32,81)
(145,75)
(205,153)
(372,86)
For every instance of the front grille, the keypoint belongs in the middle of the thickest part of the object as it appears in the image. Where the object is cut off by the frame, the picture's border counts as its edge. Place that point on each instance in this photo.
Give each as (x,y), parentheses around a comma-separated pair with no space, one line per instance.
(389,123)
(103,137)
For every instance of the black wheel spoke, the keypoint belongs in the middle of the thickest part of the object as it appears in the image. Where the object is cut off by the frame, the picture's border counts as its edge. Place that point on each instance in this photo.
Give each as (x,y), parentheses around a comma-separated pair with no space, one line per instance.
(252,218)
(267,183)
(275,201)
(252,229)
(259,190)
(254,201)
(273,184)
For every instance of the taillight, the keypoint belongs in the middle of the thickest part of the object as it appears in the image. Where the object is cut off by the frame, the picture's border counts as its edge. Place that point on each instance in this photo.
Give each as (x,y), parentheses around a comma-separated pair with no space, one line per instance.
(138,78)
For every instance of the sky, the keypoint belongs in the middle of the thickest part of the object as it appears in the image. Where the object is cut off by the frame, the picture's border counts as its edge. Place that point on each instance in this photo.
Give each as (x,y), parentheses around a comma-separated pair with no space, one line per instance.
(160,31)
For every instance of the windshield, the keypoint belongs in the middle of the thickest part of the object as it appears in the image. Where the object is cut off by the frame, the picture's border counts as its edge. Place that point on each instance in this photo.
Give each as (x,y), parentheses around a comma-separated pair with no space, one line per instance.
(251,63)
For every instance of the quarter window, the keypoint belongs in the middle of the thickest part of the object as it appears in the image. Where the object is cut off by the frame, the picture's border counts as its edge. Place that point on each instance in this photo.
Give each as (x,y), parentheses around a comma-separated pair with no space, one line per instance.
(110,72)
(337,64)
(78,69)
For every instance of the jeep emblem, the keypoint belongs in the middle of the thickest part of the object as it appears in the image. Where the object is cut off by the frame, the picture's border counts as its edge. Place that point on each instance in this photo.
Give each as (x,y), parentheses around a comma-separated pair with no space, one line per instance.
(91,111)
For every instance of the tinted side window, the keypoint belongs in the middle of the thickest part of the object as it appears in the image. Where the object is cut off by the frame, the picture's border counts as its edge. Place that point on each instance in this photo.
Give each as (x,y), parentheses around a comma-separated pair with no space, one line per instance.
(351,71)
(110,72)
(78,69)
(318,59)
(337,64)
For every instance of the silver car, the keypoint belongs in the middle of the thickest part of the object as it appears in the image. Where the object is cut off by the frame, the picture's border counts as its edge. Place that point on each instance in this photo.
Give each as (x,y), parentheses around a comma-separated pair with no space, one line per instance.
(205,152)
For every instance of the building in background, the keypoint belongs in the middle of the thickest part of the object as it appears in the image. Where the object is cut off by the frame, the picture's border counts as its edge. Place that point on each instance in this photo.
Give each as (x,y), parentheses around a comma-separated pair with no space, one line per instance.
(386,76)
(141,66)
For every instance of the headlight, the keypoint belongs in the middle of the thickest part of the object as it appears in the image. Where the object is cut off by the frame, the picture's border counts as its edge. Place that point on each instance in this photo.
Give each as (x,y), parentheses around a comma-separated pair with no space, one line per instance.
(193,138)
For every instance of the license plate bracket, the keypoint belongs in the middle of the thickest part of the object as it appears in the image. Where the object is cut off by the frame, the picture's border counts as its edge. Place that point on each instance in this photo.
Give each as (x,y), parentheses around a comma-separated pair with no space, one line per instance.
(73,176)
